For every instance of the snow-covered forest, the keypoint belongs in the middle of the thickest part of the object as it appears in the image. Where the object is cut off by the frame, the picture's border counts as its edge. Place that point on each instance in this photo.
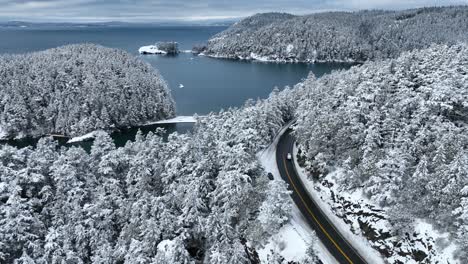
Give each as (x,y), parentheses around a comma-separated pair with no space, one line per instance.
(76,89)
(395,128)
(194,199)
(340,36)
(399,129)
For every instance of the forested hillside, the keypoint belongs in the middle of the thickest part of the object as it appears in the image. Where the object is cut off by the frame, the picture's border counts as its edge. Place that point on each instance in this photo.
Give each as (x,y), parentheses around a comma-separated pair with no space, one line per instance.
(399,128)
(194,199)
(340,36)
(76,89)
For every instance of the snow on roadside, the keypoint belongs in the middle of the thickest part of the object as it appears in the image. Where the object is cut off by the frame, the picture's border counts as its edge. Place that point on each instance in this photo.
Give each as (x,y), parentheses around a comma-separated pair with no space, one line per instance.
(3,134)
(359,243)
(293,239)
(177,119)
(443,245)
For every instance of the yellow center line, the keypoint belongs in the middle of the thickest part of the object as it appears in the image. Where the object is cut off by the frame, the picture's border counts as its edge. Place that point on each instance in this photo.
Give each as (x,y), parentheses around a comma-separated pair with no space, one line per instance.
(312,214)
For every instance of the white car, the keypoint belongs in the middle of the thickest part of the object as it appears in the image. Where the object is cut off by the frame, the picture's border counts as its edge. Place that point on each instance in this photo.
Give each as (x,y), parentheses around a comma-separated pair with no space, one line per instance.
(289,157)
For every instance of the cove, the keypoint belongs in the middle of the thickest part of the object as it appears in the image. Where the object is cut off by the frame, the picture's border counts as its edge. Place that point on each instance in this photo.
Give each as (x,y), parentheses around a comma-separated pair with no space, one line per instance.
(208,84)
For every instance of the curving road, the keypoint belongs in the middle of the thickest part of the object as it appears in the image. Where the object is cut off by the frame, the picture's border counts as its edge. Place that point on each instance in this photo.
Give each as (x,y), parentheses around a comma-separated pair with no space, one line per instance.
(327,233)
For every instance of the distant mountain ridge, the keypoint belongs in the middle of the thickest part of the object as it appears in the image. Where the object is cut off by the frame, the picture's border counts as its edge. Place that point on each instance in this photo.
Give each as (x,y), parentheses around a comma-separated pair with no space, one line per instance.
(22,24)
(340,36)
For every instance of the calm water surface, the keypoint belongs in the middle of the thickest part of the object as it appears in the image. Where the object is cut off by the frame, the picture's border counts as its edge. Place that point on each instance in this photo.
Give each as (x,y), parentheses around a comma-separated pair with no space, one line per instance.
(208,84)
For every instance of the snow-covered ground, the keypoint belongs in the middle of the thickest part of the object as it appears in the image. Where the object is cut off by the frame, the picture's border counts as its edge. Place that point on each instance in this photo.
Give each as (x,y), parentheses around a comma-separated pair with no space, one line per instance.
(447,252)
(3,133)
(358,242)
(151,49)
(82,138)
(352,212)
(257,57)
(293,239)
(177,119)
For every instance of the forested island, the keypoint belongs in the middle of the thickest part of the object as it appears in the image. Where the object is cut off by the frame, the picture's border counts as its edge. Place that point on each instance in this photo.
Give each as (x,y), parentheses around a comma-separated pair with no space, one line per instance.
(339,36)
(76,89)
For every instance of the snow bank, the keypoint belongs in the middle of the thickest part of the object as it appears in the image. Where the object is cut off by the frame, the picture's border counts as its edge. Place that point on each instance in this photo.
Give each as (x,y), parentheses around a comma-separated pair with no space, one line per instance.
(366,225)
(88,136)
(152,49)
(293,239)
(359,243)
(444,246)
(177,119)
(289,242)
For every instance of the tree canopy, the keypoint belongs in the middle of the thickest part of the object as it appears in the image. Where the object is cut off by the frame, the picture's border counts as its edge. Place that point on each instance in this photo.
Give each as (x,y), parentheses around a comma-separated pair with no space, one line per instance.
(76,89)
(340,36)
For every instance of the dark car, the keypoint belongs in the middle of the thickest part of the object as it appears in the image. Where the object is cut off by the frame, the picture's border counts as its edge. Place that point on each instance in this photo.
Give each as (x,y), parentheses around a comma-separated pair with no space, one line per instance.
(270,176)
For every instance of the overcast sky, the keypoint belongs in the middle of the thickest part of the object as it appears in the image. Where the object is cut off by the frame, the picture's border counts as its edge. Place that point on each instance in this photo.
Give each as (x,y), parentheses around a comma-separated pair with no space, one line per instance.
(161,10)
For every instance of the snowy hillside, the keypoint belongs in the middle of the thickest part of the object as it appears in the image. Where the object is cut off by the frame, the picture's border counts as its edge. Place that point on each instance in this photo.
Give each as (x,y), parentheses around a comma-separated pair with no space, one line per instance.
(76,89)
(396,130)
(399,131)
(339,36)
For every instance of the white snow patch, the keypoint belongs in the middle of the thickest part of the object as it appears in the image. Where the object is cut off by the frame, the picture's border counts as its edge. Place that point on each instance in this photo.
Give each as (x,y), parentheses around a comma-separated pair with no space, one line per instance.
(166,246)
(90,135)
(3,133)
(186,51)
(177,119)
(152,49)
(257,57)
(358,242)
(288,242)
(444,246)
(289,48)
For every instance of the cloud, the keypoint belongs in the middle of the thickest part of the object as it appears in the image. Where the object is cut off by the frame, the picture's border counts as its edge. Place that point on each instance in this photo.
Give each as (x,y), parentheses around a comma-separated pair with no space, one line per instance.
(157,10)
(394,4)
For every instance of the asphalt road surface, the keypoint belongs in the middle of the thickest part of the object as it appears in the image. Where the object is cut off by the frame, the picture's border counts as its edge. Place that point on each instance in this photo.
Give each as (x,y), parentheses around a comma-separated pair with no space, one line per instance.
(326,231)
